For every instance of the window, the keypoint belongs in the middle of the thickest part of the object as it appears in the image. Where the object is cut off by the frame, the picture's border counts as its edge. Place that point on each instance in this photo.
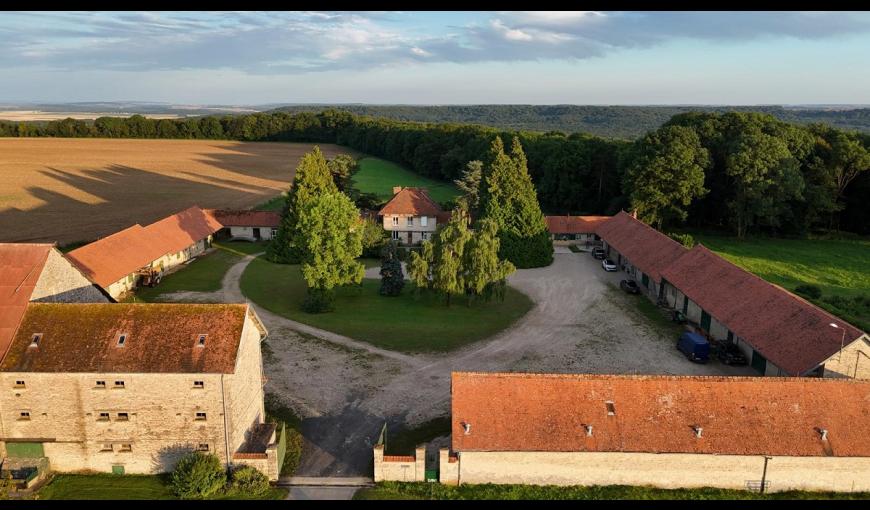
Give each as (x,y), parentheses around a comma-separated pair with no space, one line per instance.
(122,338)
(424,221)
(119,385)
(200,342)
(274,232)
(199,385)
(424,235)
(202,447)
(106,447)
(125,447)
(34,340)
(123,417)
(19,384)
(200,416)
(24,415)
(395,235)
(410,221)
(395,221)
(101,385)
(611,409)
(103,417)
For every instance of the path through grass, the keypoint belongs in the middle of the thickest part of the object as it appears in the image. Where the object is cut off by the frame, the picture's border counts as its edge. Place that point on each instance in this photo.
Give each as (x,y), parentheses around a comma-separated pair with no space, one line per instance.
(403,323)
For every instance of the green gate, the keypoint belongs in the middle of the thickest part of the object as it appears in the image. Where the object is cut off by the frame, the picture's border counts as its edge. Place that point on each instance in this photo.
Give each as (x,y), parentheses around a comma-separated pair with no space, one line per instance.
(759,362)
(705,321)
(24,450)
(431,475)
(282,446)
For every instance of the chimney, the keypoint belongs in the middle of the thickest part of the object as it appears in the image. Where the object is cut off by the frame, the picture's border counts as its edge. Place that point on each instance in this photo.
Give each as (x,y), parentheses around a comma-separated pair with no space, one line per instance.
(697,430)
(588,430)
(397,189)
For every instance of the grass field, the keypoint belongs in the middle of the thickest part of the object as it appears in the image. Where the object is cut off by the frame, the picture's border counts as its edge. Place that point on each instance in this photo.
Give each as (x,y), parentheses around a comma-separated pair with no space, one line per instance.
(403,323)
(420,490)
(126,487)
(77,189)
(837,267)
(378,176)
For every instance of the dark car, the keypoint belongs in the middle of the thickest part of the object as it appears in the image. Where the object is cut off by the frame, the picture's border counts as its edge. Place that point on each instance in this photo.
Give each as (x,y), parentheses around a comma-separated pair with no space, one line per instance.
(629,286)
(599,254)
(730,354)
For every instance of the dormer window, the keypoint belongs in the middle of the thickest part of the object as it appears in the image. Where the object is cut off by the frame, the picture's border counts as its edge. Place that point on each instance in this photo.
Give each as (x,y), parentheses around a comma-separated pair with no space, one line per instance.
(611,408)
(122,339)
(35,339)
(200,340)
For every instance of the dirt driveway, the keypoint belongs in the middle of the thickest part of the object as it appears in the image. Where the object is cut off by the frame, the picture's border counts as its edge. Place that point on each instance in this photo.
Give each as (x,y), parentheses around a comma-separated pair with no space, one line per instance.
(345,391)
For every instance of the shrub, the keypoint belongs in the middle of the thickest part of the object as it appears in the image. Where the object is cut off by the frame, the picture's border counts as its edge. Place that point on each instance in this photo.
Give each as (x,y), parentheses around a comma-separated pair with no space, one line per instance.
(810,291)
(685,239)
(249,481)
(392,279)
(198,476)
(318,301)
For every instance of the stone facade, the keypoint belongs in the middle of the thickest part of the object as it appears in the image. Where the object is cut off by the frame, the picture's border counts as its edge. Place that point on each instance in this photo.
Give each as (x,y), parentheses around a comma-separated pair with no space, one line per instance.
(399,468)
(659,470)
(448,467)
(409,229)
(61,282)
(146,425)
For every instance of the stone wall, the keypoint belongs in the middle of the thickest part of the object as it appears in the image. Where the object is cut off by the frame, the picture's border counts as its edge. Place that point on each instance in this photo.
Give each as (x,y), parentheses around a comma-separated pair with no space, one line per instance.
(854,361)
(399,468)
(61,282)
(244,388)
(664,470)
(448,467)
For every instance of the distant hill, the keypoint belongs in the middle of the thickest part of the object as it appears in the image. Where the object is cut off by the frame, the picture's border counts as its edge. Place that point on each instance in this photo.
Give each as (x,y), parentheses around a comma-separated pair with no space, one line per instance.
(626,122)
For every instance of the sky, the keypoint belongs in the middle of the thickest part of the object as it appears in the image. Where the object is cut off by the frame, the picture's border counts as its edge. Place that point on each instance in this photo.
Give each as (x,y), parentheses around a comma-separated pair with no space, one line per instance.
(551,57)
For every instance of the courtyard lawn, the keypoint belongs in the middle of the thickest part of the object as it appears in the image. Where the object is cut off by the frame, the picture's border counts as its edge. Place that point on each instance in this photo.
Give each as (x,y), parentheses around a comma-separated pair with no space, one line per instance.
(838,267)
(405,323)
(421,490)
(378,176)
(124,487)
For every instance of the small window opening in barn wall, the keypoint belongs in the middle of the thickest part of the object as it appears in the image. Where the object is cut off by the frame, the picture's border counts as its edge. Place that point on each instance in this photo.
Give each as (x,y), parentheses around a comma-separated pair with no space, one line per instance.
(611,408)
(35,339)
(122,339)
(200,341)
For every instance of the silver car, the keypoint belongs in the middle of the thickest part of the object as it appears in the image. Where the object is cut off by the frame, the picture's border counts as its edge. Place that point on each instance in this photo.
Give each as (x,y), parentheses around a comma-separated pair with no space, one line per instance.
(608,265)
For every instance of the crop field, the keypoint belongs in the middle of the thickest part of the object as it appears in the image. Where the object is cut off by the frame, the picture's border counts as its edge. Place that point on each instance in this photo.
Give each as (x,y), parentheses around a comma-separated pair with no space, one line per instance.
(78,189)
(378,176)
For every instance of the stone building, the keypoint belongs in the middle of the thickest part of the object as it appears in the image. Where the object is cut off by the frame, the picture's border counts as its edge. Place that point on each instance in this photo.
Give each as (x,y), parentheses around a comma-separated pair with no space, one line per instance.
(565,230)
(130,388)
(37,273)
(247,225)
(640,250)
(116,262)
(411,216)
(663,431)
(779,332)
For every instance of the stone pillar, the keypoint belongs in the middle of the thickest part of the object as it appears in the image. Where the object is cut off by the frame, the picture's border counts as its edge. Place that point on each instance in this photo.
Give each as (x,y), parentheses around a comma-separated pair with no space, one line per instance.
(448,471)
(420,463)
(379,462)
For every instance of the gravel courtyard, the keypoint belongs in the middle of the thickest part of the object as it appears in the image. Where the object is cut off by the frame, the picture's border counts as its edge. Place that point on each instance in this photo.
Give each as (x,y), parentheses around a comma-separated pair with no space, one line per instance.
(345,390)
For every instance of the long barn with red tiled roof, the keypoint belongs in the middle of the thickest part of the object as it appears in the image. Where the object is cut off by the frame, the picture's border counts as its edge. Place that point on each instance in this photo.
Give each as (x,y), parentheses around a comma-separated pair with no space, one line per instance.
(131,388)
(248,225)
(118,262)
(665,431)
(574,228)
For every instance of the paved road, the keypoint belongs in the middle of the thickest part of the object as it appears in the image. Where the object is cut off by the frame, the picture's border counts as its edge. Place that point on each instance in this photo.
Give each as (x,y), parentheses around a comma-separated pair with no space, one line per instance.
(323,492)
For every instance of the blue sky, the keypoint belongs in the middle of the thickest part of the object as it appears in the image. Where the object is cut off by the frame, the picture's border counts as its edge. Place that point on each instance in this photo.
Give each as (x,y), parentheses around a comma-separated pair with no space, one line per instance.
(578,57)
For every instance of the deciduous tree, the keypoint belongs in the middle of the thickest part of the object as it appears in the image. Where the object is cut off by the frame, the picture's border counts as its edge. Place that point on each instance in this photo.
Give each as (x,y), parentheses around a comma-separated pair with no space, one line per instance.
(484,272)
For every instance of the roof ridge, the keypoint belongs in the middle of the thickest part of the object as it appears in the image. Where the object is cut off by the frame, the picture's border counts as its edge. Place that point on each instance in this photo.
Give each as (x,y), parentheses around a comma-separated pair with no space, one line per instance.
(113,234)
(669,238)
(662,377)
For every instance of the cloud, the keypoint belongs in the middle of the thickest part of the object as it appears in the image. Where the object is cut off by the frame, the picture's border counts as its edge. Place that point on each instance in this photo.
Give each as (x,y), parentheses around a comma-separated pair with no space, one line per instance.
(289,42)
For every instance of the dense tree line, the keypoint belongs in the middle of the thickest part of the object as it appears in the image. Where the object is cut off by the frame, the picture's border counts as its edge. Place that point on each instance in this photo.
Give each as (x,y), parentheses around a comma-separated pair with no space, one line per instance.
(805,176)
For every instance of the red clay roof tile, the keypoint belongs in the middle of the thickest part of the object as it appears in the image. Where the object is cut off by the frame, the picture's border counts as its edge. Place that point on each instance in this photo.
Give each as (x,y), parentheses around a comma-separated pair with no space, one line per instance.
(645,247)
(656,414)
(574,224)
(177,232)
(792,333)
(20,268)
(113,257)
(412,201)
(161,338)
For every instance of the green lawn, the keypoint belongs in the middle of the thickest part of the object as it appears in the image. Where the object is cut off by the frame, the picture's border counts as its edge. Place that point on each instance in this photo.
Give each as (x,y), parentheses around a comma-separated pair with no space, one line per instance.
(837,267)
(203,274)
(126,487)
(378,176)
(421,490)
(403,323)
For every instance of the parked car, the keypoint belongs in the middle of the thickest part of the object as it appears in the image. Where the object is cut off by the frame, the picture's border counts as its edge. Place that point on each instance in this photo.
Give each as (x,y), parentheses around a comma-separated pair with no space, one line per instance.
(629,286)
(694,346)
(608,265)
(598,253)
(730,354)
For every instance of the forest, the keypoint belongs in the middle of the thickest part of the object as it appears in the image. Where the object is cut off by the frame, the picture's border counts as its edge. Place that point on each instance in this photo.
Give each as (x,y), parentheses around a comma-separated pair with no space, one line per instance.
(742,172)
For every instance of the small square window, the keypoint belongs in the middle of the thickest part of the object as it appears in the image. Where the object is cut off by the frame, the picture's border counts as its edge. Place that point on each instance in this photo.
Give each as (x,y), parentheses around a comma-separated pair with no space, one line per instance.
(35,339)
(103,417)
(199,384)
(200,416)
(106,447)
(123,417)
(200,341)
(119,384)
(125,447)
(101,385)
(202,447)
(611,409)
(19,384)
(24,415)
(122,339)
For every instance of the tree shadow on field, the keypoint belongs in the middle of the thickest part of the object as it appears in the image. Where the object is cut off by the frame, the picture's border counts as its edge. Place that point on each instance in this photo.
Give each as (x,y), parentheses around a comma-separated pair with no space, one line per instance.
(124,196)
